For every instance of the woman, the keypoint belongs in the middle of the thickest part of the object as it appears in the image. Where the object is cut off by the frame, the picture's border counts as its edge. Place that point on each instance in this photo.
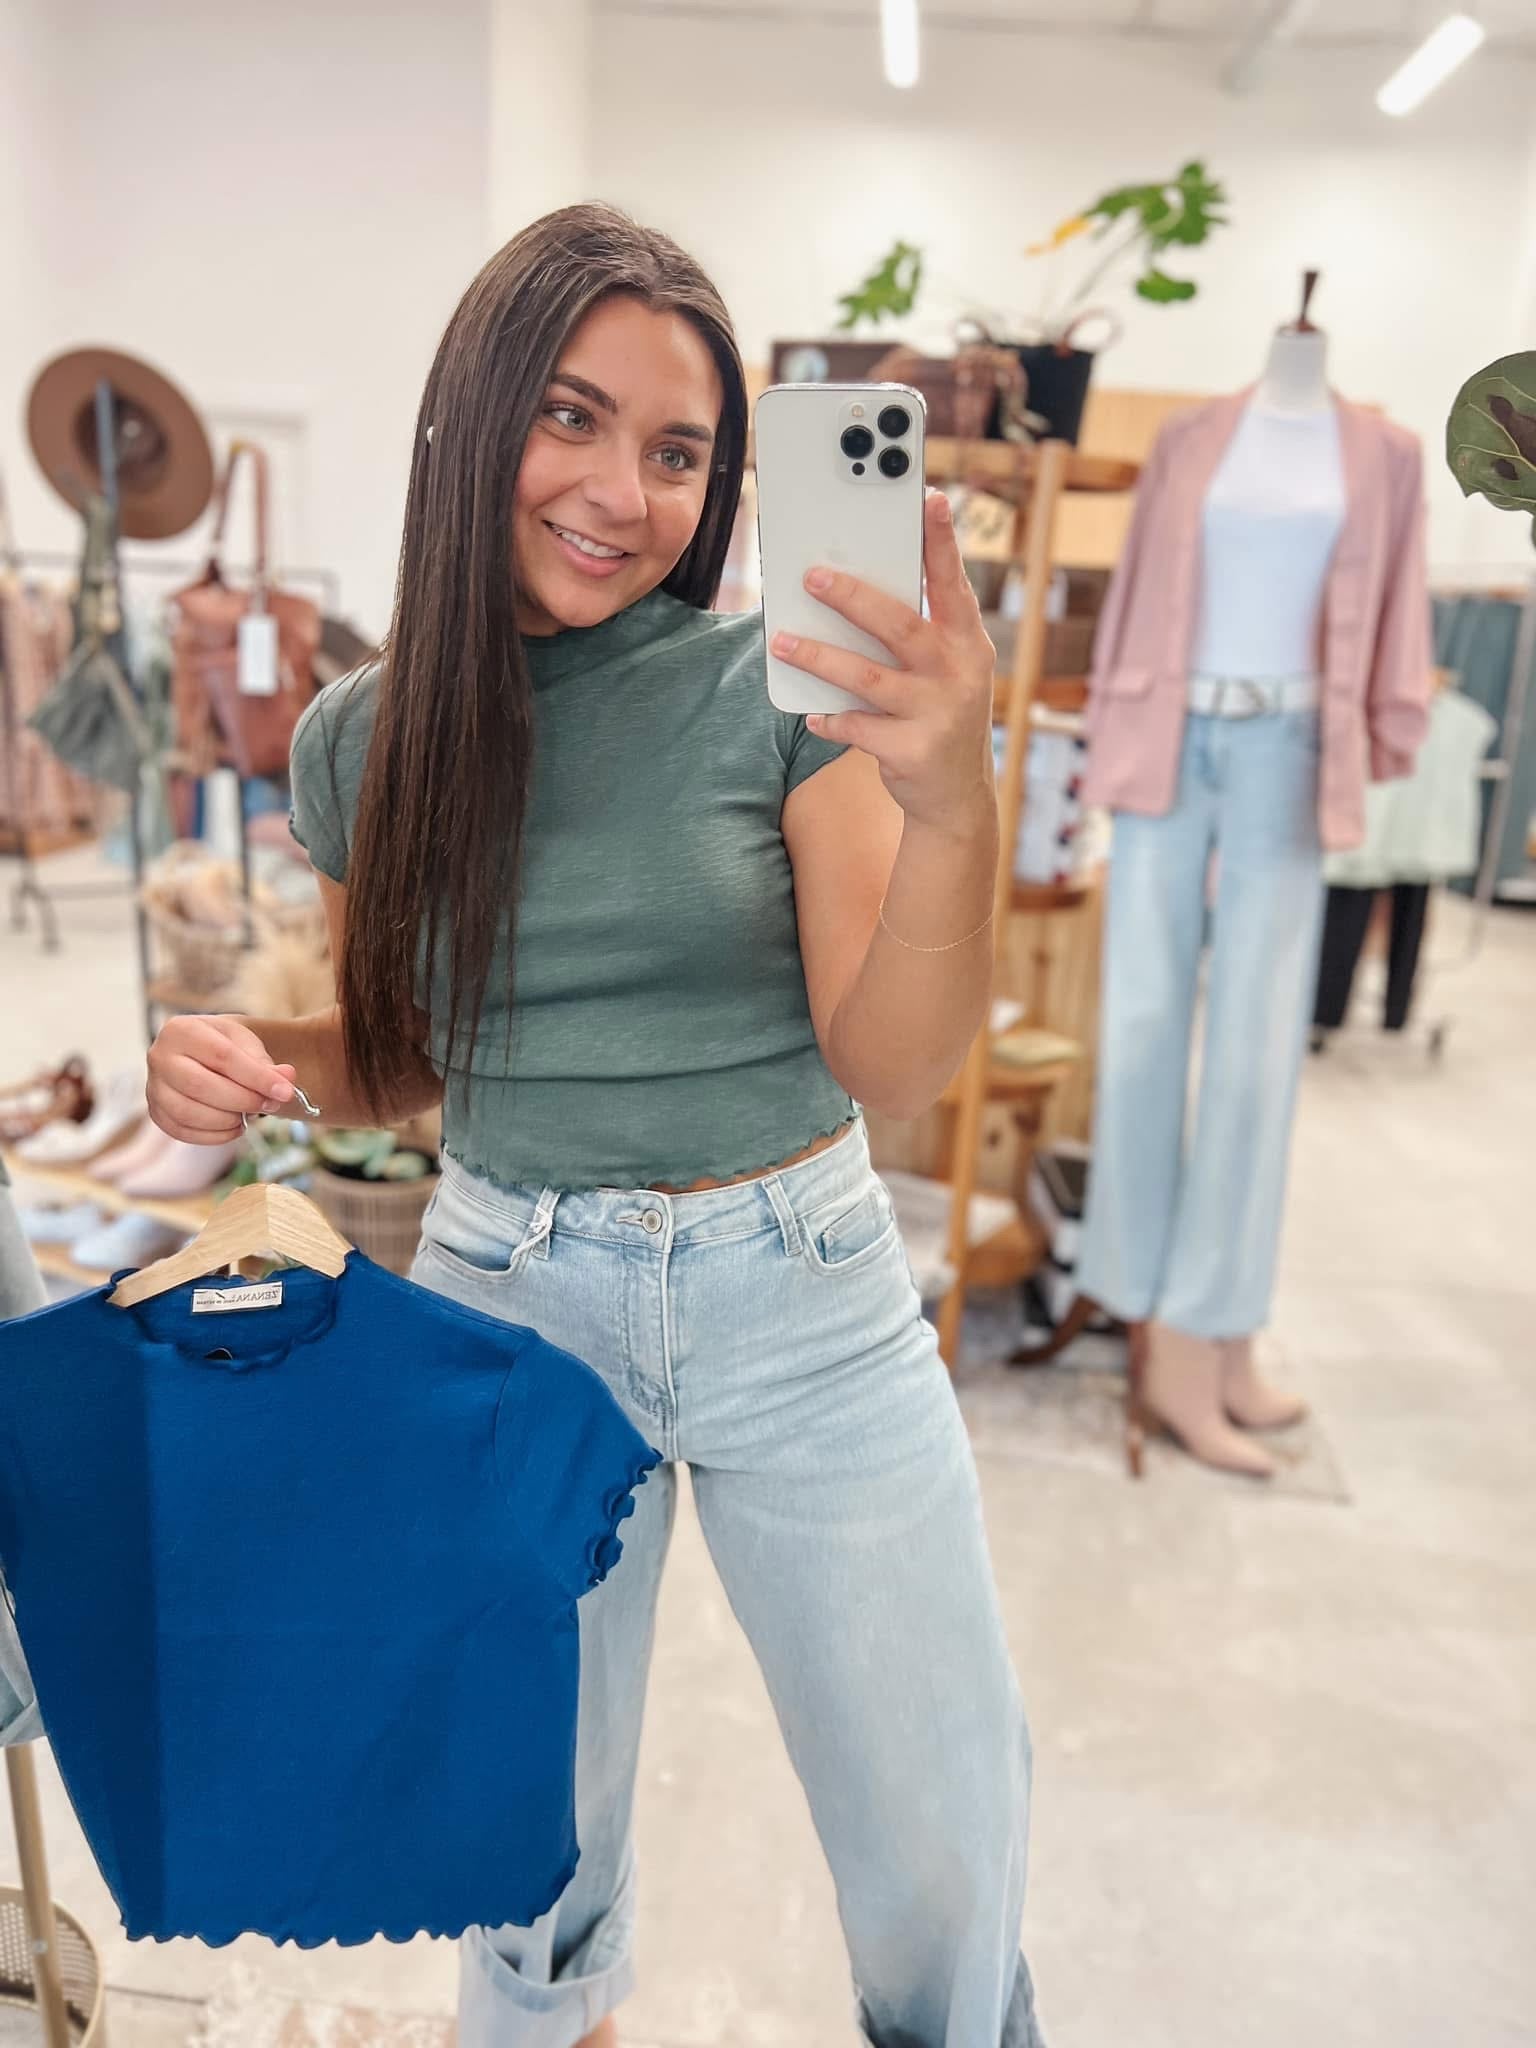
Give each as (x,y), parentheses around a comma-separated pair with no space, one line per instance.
(729,932)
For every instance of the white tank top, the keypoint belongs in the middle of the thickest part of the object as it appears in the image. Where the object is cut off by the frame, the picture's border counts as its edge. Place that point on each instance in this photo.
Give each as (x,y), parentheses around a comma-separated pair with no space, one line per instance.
(1271,519)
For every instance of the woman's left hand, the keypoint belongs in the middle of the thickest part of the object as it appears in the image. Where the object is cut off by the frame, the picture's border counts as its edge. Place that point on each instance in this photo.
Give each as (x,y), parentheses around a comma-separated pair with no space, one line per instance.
(931,725)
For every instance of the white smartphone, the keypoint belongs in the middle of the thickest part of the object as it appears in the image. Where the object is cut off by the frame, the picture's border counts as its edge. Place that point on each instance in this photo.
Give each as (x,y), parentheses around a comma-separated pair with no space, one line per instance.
(839,485)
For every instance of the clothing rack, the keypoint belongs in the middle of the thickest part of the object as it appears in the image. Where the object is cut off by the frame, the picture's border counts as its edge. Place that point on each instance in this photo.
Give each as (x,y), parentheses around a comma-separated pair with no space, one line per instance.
(1497,772)
(182,570)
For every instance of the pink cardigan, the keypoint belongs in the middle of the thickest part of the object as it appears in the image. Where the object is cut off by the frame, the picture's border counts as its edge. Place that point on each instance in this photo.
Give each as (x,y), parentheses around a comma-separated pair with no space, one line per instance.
(1376,625)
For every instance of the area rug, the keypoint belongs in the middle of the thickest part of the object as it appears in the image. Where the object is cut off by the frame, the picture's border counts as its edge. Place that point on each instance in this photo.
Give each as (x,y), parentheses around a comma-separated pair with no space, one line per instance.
(1072,1412)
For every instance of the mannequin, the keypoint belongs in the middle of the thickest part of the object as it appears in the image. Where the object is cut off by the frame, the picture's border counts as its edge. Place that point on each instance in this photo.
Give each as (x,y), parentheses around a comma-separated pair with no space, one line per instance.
(1269,604)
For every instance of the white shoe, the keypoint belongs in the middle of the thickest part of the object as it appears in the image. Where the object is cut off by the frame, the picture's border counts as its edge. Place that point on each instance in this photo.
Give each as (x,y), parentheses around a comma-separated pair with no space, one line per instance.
(131,1240)
(59,1226)
(119,1106)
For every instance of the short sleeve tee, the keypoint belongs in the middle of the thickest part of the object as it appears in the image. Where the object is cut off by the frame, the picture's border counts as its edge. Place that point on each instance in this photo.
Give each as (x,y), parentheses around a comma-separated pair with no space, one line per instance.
(662,1029)
(297,1585)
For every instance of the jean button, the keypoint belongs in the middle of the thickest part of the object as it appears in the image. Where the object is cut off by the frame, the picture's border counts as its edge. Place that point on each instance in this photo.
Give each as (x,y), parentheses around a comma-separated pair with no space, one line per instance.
(653,1220)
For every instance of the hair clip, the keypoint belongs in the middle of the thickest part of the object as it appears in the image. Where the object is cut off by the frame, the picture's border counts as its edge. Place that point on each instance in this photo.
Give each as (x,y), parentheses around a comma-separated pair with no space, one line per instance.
(429,434)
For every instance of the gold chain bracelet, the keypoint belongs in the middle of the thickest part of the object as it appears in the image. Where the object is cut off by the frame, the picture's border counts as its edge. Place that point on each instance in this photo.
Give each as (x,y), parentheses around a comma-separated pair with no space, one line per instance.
(935,949)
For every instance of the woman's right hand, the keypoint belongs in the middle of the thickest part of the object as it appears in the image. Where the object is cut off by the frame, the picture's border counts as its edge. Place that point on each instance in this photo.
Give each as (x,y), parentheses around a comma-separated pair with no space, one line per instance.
(205,1071)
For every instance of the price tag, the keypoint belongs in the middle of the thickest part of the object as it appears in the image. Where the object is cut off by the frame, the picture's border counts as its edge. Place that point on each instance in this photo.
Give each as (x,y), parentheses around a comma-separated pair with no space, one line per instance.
(258,655)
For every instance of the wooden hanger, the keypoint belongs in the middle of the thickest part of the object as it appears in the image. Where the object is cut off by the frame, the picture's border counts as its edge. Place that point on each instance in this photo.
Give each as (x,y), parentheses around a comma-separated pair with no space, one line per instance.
(261,1217)
(1308,287)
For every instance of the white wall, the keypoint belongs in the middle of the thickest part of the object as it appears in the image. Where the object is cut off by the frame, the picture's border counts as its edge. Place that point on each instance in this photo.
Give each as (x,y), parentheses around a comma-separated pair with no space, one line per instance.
(782,160)
(27,74)
(279,206)
(541,104)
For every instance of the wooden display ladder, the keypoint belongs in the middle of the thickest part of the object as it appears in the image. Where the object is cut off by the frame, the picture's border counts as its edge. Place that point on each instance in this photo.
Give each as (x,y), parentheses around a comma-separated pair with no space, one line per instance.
(1035,479)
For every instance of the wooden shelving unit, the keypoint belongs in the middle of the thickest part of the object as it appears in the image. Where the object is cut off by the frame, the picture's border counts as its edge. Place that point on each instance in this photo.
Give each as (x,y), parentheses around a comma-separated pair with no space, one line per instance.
(74,1184)
(1011,469)
(1035,480)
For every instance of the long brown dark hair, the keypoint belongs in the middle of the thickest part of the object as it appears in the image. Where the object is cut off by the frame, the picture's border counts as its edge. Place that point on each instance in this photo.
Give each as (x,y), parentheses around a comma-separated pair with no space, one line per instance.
(437,841)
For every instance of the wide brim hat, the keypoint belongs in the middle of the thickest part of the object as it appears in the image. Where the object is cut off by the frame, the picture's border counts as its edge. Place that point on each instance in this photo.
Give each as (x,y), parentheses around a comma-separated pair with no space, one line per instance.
(164,461)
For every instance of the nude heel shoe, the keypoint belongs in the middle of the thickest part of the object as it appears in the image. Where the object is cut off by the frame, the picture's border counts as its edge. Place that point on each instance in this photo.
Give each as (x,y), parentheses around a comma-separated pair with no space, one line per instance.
(1177,1390)
(1250,1400)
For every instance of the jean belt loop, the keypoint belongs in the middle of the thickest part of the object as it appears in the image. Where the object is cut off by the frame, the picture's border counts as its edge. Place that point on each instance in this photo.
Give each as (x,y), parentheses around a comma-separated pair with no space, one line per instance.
(543,1223)
(783,1209)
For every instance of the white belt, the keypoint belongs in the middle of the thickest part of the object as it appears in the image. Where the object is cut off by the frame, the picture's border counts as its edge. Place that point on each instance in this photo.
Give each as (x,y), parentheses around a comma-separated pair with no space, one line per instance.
(1251,696)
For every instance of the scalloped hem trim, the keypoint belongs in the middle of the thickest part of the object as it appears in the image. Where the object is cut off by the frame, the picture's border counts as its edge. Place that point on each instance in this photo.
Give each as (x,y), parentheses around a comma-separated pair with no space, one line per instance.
(483,1170)
(522,1914)
(605,1549)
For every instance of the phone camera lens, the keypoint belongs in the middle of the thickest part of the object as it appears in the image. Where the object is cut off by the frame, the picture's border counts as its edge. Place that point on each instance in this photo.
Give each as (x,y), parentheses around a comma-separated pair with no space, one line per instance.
(894,462)
(895,420)
(857,441)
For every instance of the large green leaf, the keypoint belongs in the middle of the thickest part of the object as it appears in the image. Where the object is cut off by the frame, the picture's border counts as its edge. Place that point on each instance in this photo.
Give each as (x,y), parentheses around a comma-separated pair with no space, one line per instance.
(1163,290)
(889,289)
(1182,211)
(1490,437)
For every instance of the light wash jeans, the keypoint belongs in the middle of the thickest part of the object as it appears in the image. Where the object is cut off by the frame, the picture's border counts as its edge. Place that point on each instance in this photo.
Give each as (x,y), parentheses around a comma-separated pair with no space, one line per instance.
(770,1336)
(21,1291)
(1189,1232)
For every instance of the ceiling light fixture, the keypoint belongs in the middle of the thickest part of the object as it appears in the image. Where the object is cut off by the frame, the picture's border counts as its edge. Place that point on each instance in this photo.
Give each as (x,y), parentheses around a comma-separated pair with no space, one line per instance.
(1431,64)
(898,41)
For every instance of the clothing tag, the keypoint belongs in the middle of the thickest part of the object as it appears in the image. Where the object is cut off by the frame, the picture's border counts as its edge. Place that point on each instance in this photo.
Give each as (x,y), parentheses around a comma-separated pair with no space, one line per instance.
(269,1294)
(258,655)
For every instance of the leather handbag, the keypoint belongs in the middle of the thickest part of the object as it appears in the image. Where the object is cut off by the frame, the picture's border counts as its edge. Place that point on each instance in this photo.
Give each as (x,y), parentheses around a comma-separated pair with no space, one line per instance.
(219,724)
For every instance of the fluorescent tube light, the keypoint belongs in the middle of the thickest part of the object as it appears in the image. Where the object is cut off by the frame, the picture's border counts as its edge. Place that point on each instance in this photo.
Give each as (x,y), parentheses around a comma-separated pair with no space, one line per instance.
(1431,64)
(898,41)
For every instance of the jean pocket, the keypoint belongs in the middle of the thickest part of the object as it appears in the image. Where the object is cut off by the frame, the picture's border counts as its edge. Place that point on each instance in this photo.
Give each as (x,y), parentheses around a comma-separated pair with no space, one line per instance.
(474,1244)
(852,1230)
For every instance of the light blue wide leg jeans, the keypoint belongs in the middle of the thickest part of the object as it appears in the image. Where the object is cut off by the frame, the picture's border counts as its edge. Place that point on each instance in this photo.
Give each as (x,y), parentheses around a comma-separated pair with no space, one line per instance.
(1184,1225)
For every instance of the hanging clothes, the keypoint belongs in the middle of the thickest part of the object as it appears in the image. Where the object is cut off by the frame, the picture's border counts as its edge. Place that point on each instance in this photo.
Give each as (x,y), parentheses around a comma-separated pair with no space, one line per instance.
(1345,921)
(1476,638)
(295,1564)
(1423,830)
(38,793)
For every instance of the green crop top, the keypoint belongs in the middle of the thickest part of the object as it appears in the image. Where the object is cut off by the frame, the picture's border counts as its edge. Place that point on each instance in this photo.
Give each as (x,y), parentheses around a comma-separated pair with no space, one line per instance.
(661,1031)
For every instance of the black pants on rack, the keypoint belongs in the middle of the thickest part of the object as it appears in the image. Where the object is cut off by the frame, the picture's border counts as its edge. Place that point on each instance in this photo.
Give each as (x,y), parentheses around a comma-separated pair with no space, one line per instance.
(1345,919)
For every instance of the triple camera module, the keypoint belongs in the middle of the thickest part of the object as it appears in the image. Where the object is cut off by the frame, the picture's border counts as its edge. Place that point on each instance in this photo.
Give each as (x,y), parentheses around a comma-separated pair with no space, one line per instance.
(858,443)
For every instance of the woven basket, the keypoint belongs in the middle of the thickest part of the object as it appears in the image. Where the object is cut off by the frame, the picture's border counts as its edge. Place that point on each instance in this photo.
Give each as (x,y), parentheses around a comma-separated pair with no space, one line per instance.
(205,959)
(79,1966)
(381,1217)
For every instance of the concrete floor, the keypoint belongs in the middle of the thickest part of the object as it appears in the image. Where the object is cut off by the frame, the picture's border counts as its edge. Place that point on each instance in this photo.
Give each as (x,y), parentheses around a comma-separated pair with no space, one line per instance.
(1285,1781)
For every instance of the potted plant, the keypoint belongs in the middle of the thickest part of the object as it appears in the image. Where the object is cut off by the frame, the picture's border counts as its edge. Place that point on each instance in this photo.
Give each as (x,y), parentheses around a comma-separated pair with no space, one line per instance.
(976,391)
(1130,227)
(374,1186)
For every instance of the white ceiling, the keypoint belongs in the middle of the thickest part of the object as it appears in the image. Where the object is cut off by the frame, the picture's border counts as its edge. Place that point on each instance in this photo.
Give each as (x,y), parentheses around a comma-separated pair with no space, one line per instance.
(1401,22)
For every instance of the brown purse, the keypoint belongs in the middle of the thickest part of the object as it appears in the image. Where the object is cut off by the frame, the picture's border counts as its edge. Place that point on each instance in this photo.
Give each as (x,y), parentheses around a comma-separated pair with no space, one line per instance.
(217,723)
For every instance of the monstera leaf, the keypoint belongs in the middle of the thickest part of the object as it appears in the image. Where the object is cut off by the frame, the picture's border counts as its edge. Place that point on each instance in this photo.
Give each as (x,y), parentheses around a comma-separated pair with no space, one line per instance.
(1490,438)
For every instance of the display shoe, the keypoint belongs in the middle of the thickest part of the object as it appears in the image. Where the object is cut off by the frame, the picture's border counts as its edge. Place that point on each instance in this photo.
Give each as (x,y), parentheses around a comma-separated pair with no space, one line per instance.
(62,1092)
(180,1169)
(119,1108)
(1180,1393)
(147,1143)
(130,1240)
(1249,1399)
(59,1226)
